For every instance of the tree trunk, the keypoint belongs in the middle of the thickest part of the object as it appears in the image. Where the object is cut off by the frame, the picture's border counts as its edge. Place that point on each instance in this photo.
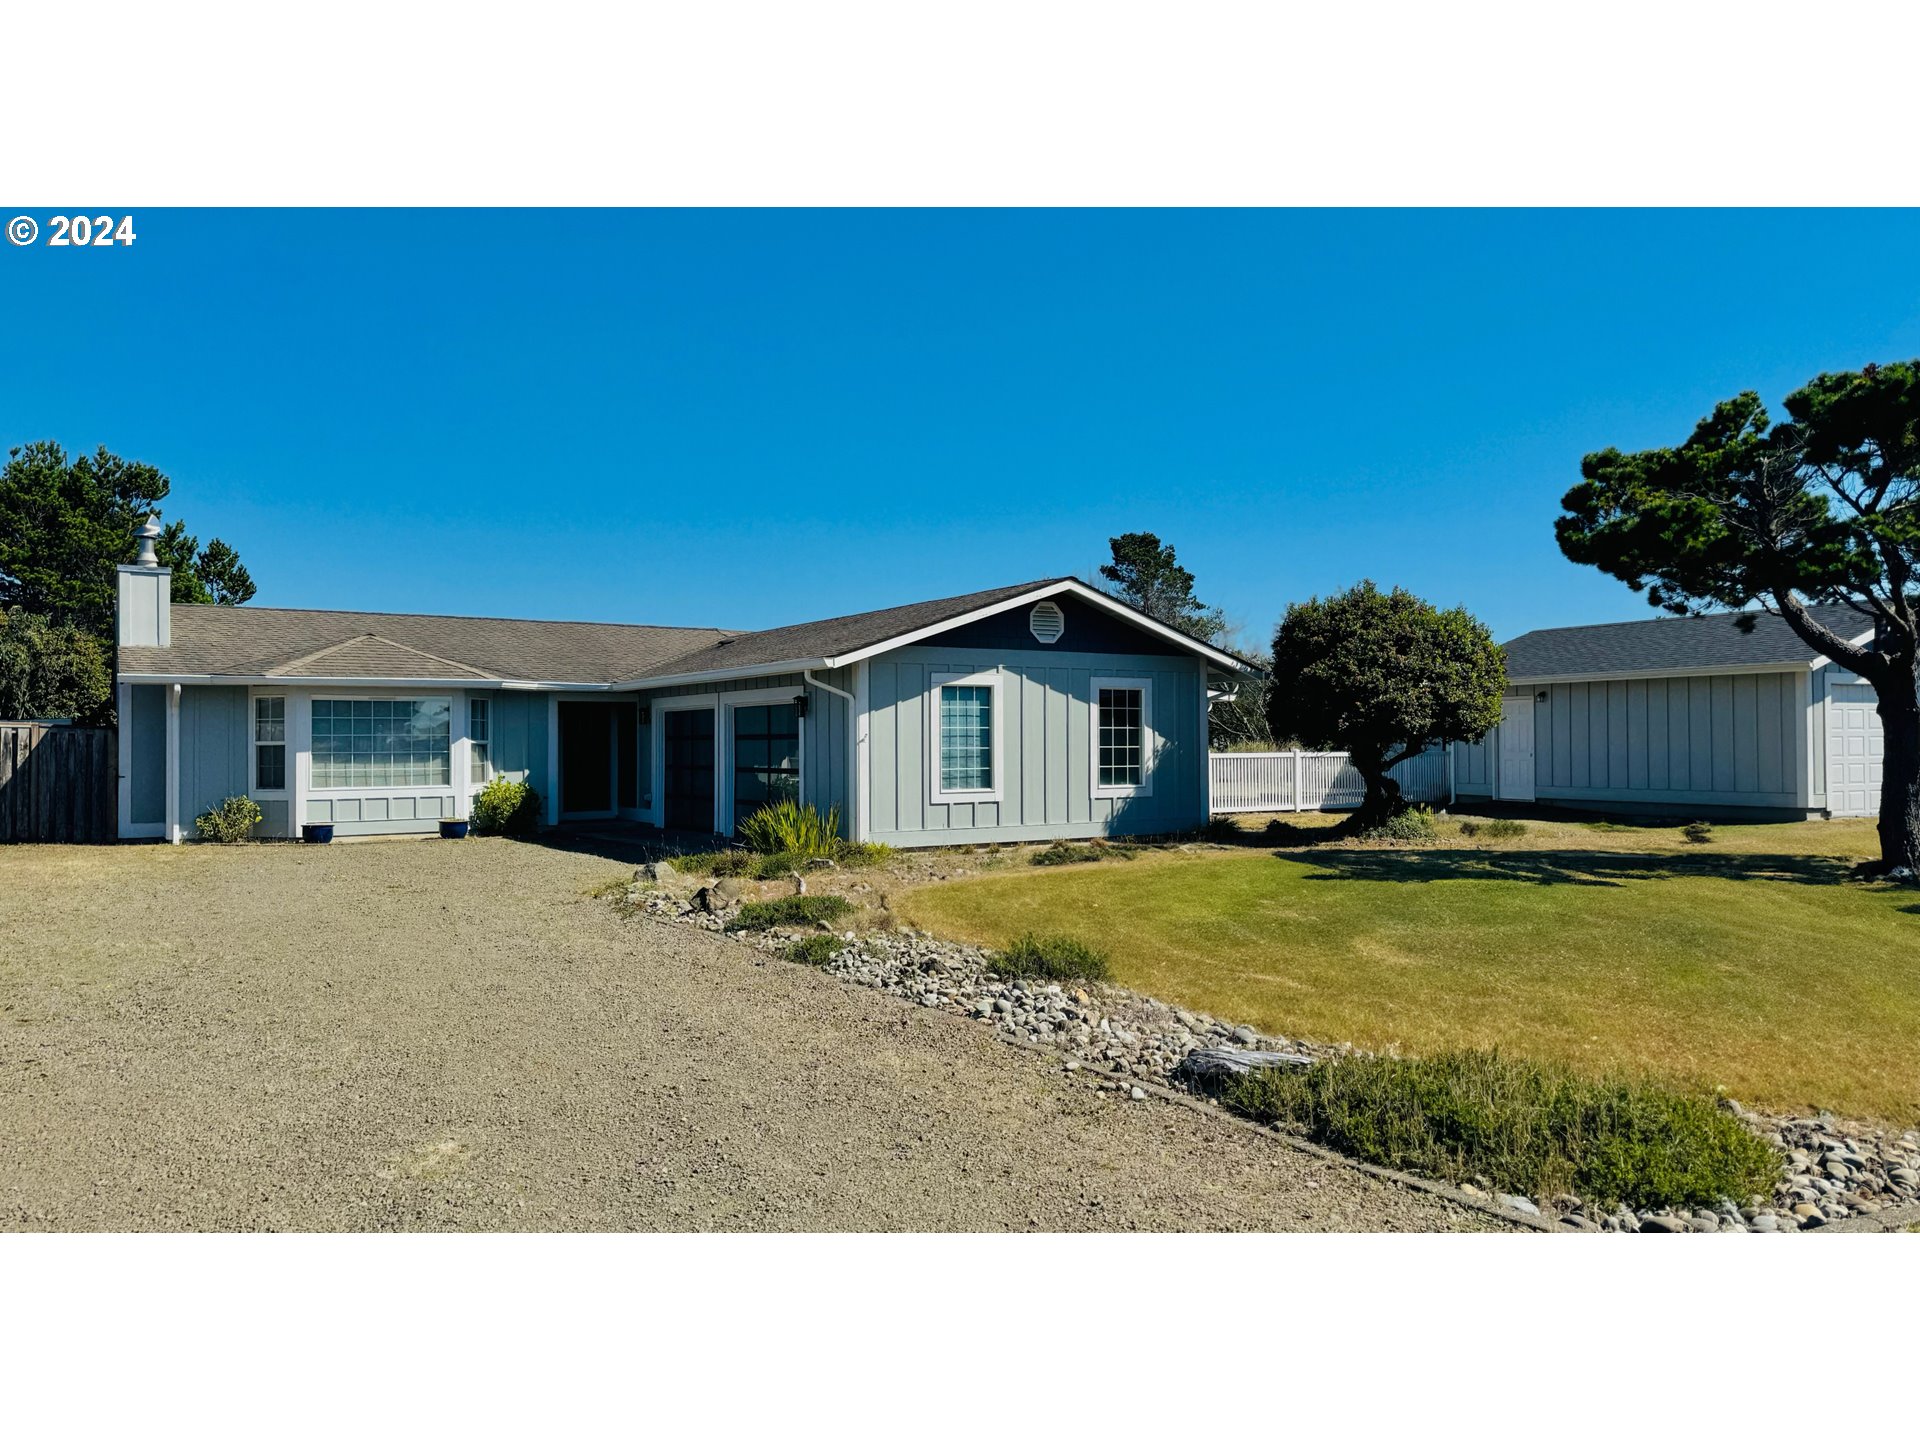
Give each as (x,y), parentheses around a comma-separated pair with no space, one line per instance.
(1900,775)
(1382,800)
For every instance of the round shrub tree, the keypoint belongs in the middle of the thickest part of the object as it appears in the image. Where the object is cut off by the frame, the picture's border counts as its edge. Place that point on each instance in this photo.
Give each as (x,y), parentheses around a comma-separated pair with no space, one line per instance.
(1382,675)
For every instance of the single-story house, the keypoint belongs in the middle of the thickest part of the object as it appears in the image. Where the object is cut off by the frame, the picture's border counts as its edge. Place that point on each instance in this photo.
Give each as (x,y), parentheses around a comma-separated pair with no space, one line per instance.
(1041,711)
(1686,716)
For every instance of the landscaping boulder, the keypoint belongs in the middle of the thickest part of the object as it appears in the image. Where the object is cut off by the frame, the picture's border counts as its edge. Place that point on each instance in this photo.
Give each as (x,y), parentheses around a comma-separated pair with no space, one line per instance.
(1208,1069)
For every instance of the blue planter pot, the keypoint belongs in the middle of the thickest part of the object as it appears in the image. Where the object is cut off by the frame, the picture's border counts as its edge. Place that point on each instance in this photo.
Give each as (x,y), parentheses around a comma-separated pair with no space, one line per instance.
(453,829)
(317,834)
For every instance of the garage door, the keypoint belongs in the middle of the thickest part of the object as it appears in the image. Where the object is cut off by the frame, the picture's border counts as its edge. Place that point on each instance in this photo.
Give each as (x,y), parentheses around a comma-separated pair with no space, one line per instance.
(1855,750)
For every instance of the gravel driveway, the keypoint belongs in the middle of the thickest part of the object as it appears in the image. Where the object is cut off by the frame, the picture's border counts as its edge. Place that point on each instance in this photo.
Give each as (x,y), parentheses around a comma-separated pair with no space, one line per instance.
(429,1035)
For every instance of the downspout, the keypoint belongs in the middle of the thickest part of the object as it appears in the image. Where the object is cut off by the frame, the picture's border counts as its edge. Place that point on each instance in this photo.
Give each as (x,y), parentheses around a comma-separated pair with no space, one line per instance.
(853,750)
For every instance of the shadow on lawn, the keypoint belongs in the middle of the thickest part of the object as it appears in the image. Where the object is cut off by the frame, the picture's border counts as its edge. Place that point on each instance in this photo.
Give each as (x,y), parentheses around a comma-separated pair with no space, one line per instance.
(1567,867)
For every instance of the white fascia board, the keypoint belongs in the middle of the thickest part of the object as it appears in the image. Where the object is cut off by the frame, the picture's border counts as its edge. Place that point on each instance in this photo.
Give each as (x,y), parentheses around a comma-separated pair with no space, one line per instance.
(1026,597)
(1861,640)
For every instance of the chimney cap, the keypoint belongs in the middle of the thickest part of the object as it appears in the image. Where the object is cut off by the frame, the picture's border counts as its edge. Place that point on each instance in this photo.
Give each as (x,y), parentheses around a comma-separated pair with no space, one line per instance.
(148,533)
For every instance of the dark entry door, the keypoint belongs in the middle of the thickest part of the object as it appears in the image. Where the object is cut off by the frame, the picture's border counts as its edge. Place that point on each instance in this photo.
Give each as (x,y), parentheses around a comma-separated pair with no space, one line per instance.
(586,757)
(688,743)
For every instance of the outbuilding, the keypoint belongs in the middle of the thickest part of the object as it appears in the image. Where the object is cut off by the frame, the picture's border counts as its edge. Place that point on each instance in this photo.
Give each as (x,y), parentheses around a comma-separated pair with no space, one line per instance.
(1688,716)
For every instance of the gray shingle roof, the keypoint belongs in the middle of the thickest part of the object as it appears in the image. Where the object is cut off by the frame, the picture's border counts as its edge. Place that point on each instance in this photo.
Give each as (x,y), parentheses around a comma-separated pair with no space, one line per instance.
(353,644)
(819,639)
(1705,642)
(334,644)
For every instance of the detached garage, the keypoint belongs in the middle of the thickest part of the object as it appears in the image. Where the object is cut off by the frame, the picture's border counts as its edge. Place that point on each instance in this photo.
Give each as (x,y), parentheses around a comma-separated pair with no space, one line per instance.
(1686,716)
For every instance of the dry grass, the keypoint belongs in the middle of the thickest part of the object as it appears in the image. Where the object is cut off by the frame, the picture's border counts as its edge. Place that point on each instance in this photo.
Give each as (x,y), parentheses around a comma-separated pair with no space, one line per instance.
(1753,962)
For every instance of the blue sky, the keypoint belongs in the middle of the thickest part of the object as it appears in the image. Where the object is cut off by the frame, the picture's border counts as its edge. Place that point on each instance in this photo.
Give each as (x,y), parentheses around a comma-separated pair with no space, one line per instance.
(747,418)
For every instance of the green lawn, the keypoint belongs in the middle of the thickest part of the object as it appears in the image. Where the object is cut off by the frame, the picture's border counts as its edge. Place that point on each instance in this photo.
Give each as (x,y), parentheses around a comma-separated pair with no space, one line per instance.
(1752,963)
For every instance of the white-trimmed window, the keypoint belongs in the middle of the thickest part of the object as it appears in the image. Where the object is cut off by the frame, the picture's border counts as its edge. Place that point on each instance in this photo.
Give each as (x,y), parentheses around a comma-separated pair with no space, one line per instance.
(269,742)
(480,765)
(965,724)
(1123,740)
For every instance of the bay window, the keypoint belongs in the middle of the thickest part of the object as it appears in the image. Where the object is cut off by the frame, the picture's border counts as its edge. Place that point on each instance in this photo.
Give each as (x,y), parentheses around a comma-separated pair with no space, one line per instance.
(382,744)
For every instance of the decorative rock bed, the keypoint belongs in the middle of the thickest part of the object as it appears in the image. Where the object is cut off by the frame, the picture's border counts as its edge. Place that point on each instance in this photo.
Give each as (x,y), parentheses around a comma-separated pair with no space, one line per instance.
(1834,1170)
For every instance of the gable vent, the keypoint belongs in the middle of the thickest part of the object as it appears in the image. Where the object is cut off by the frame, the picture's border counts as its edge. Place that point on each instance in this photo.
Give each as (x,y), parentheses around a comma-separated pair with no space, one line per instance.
(1047,622)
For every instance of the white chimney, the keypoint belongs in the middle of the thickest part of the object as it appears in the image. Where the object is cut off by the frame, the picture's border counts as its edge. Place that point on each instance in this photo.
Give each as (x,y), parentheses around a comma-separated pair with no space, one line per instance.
(144,602)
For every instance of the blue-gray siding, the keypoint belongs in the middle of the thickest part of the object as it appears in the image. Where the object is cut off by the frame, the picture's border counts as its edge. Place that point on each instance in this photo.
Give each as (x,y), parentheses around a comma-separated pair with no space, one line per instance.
(148,717)
(214,746)
(1686,741)
(517,742)
(1046,785)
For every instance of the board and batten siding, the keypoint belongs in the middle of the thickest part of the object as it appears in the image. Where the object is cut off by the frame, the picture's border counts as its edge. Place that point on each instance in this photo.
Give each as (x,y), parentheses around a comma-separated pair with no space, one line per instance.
(517,734)
(215,743)
(147,758)
(1045,716)
(1694,740)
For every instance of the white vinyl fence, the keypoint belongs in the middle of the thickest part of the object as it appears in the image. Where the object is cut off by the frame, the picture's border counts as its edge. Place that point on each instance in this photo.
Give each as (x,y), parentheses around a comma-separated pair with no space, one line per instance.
(1256,780)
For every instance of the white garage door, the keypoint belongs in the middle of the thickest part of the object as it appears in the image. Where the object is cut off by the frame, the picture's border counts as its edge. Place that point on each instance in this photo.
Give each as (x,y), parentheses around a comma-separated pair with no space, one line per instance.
(1855,750)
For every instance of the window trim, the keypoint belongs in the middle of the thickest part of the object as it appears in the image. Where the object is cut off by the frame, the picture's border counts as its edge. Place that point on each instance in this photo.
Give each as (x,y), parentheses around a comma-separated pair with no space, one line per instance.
(255,743)
(1149,739)
(481,749)
(453,784)
(937,793)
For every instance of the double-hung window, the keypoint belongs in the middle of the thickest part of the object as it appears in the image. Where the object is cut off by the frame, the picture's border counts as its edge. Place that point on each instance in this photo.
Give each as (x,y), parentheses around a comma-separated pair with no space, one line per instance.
(1122,751)
(269,742)
(479,765)
(965,717)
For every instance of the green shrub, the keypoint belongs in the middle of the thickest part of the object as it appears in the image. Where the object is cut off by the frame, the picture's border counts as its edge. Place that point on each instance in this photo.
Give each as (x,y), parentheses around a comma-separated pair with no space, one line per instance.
(229,822)
(1049,957)
(1502,829)
(1699,832)
(1413,823)
(789,910)
(862,854)
(788,827)
(1062,852)
(815,949)
(506,807)
(1532,1129)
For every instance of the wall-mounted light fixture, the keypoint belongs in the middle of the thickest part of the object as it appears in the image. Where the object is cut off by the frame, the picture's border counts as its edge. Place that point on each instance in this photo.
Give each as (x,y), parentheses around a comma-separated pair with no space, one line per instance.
(800,706)
(1540,698)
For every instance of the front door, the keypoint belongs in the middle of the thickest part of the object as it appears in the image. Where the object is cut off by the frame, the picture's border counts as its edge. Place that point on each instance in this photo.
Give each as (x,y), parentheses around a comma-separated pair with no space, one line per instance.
(1516,749)
(687,742)
(586,758)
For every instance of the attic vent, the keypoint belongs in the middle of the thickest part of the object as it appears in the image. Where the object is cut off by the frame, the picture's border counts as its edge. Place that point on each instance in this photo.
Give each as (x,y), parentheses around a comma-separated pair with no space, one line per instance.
(1047,622)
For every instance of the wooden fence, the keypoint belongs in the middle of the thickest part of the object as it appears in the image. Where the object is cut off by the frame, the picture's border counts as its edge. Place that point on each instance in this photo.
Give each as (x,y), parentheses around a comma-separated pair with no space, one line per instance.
(1259,780)
(57,784)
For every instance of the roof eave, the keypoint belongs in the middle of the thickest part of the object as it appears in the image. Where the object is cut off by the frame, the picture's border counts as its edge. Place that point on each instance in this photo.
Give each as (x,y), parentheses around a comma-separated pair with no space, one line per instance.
(336,682)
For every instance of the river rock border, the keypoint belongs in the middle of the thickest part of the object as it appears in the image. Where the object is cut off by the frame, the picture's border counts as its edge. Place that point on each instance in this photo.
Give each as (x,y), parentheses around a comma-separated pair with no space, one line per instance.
(1837,1173)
